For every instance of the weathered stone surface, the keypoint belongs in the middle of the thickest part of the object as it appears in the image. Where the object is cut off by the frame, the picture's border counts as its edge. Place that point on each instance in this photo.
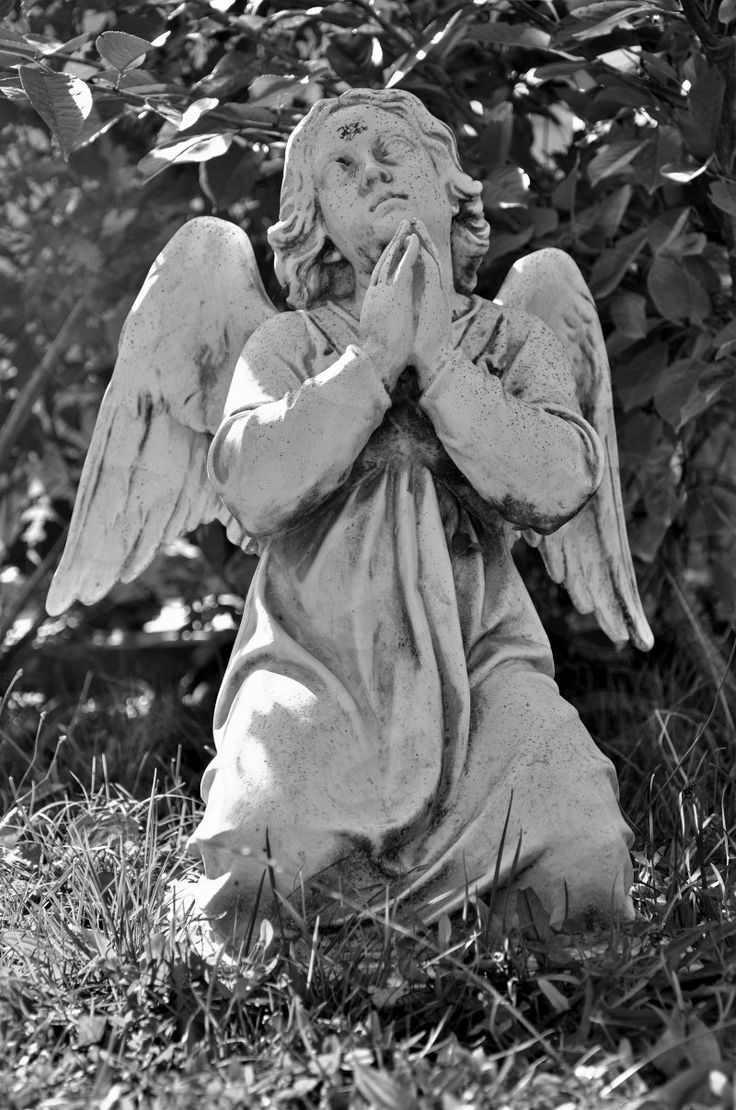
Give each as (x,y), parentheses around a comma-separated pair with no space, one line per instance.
(389,714)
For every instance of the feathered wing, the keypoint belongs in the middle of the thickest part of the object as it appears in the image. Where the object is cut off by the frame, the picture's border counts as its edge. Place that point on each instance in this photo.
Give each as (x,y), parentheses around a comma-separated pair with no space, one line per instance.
(144,481)
(590,554)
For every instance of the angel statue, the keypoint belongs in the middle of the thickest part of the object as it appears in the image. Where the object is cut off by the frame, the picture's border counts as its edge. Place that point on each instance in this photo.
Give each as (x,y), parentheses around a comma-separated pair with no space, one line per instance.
(389,717)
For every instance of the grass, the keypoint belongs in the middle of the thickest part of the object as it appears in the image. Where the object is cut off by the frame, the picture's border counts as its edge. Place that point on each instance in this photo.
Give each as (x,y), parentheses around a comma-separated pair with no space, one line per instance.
(104,1003)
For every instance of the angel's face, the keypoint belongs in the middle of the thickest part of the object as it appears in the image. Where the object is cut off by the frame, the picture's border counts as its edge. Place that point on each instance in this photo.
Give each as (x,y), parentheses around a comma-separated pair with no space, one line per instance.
(371,172)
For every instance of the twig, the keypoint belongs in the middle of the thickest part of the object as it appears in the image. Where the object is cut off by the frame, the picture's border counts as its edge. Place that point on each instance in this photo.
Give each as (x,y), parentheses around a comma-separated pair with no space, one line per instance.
(26,592)
(25,400)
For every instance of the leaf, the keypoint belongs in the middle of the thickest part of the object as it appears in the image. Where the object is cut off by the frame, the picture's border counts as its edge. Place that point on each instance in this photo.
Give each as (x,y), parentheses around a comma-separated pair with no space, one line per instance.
(507,242)
(533,917)
(686,389)
(230,178)
(273,90)
(381,1091)
(725,337)
(14,43)
(636,380)
(613,158)
(684,172)
(429,42)
(723,195)
(726,11)
(494,141)
(512,34)
(90,1029)
(676,291)
(193,148)
(612,210)
(666,229)
(63,102)
(664,148)
(629,314)
(12,89)
(121,50)
(597,19)
(612,264)
(555,997)
(685,1040)
(505,188)
(699,124)
(196,110)
(444,932)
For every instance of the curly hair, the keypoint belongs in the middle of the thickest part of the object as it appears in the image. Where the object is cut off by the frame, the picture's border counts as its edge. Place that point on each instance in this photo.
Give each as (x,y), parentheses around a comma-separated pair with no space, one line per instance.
(300,241)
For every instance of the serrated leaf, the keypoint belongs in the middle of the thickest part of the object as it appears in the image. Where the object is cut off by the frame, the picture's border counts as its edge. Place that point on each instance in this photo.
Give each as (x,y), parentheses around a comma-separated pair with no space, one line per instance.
(11,88)
(193,148)
(63,102)
(723,195)
(11,39)
(121,50)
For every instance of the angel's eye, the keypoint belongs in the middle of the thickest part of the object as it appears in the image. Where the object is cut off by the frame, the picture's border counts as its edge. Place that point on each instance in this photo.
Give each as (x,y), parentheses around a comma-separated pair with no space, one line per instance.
(393,150)
(343,161)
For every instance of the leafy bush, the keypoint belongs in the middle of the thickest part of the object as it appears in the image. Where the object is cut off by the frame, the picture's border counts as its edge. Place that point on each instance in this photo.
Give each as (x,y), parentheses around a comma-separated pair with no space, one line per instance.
(605,128)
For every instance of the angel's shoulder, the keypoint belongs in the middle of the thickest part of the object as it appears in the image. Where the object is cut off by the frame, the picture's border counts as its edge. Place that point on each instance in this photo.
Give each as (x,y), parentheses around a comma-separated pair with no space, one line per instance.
(283,333)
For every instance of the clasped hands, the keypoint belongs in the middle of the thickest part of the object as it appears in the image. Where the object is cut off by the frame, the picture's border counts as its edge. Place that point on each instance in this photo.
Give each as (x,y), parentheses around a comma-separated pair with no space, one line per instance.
(406,317)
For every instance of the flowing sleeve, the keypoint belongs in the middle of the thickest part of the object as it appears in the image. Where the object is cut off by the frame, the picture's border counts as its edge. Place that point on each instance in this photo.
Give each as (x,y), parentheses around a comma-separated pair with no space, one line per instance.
(512,424)
(294,424)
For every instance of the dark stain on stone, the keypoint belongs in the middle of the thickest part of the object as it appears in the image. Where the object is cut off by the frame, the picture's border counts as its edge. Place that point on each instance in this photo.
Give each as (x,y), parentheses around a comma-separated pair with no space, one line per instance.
(146,408)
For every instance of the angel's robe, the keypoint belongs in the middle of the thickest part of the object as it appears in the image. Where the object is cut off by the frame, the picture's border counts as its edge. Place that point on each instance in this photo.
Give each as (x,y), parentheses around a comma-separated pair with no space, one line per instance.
(389,714)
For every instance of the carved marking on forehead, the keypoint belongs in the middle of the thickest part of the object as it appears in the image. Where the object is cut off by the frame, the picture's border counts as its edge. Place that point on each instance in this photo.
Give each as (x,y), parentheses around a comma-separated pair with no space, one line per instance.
(350,130)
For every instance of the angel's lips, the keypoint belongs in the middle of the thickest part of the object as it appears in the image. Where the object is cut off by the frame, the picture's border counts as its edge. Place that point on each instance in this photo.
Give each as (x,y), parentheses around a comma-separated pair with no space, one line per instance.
(385,200)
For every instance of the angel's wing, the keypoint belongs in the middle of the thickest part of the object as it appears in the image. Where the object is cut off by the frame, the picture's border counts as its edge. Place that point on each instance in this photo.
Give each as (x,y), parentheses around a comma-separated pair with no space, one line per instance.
(145,480)
(590,554)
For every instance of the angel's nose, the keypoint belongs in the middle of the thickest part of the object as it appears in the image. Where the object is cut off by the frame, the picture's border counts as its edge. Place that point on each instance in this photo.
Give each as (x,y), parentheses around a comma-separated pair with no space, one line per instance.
(372,172)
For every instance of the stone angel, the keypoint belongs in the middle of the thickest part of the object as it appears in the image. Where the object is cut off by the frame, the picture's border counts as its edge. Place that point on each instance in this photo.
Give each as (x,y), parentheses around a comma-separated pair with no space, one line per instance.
(389,716)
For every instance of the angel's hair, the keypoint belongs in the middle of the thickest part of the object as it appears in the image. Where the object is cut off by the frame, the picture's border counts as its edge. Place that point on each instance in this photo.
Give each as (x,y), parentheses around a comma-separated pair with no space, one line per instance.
(300,242)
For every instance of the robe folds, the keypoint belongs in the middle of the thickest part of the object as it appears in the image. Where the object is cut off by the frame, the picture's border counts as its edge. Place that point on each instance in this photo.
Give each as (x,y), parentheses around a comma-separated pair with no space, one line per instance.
(389,716)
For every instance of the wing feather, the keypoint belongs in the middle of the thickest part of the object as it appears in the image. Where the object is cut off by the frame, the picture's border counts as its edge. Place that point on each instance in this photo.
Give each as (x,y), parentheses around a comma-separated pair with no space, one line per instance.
(590,554)
(144,480)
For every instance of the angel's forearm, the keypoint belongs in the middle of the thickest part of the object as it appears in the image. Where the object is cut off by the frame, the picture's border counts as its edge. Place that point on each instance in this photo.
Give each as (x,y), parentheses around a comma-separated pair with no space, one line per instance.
(537,466)
(272,462)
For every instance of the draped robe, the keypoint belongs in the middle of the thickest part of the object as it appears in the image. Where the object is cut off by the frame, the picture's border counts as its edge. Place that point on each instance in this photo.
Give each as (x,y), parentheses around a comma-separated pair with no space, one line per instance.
(389,715)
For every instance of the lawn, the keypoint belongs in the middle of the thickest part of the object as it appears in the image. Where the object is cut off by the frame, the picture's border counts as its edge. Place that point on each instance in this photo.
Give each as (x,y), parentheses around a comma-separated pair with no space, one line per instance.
(106,1001)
